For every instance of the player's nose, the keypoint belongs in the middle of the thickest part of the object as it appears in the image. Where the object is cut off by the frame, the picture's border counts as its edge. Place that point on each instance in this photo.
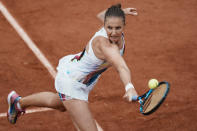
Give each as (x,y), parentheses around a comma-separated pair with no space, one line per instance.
(113,32)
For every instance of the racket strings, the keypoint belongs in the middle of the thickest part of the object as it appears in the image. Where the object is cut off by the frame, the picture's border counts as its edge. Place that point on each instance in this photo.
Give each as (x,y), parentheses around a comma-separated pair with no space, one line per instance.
(147,103)
(154,99)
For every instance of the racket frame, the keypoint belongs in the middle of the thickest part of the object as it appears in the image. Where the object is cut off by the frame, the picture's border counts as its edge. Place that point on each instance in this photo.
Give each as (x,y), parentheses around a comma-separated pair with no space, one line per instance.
(142,99)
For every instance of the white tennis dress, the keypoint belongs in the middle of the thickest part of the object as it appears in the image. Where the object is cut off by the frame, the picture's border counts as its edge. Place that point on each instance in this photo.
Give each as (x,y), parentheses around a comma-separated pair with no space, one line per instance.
(78,73)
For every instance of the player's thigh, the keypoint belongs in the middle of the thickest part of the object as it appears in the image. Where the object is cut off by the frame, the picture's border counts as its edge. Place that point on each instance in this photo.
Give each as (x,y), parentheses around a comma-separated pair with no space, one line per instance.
(55,101)
(81,115)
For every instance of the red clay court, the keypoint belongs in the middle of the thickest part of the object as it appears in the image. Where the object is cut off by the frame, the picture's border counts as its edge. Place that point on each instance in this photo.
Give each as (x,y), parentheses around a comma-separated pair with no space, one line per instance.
(160,43)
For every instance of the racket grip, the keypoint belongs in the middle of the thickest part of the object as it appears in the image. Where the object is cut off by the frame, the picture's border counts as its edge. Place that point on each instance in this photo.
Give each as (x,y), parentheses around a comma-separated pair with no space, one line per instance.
(134,98)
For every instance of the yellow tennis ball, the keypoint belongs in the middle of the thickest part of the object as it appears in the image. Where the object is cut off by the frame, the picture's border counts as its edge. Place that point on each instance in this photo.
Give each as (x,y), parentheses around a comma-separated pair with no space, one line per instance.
(153,83)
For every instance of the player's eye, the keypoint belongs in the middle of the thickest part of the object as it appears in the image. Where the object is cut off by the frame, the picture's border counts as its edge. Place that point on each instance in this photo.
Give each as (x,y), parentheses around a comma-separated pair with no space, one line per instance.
(109,27)
(118,28)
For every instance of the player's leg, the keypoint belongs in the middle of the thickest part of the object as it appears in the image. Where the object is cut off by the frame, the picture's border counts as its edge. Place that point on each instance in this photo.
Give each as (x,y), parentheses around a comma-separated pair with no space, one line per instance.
(17,104)
(81,115)
(42,99)
(97,125)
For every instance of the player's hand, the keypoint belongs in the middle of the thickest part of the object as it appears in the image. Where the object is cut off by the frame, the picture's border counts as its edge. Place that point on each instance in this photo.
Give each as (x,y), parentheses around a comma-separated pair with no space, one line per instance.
(130,11)
(130,93)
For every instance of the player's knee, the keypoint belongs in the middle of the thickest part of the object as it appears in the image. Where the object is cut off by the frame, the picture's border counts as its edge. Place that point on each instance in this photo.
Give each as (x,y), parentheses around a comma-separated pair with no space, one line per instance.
(62,109)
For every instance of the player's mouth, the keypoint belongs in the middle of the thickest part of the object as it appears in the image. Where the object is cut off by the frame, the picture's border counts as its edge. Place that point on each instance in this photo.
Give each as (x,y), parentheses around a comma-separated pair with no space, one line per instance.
(114,37)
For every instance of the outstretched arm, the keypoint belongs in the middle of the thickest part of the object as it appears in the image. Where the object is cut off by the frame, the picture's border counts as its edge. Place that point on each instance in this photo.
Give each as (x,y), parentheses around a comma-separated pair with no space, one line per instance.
(112,55)
(127,11)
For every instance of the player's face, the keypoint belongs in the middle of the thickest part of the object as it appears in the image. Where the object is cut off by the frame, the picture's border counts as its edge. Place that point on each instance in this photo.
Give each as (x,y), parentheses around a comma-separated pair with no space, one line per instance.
(114,27)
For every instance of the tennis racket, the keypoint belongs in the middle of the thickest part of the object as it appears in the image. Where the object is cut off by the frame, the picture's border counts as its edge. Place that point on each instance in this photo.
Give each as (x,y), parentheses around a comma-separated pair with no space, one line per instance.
(152,99)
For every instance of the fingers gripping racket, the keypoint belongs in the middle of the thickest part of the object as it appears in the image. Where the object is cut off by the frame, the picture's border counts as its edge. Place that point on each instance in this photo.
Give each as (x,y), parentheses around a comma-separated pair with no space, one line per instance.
(152,99)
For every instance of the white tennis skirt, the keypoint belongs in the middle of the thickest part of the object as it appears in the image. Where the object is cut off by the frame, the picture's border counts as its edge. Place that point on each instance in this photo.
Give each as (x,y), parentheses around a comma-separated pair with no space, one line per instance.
(64,84)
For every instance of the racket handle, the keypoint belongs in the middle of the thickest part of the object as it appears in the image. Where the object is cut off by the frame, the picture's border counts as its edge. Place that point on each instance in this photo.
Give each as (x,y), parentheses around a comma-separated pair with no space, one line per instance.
(134,98)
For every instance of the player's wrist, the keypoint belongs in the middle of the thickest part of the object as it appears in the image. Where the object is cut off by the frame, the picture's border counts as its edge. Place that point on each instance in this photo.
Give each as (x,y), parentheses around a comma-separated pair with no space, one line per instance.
(128,86)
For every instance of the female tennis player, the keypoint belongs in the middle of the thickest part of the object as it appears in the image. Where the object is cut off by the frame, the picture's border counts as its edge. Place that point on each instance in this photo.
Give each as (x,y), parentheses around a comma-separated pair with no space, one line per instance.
(77,74)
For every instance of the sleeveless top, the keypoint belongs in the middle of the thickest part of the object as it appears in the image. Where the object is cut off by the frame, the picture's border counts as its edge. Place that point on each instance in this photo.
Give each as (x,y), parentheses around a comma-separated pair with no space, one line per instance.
(85,67)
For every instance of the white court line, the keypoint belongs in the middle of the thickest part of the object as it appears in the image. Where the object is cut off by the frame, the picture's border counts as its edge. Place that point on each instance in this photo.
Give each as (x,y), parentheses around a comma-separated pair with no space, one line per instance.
(27,40)
(32,46)
(29,111)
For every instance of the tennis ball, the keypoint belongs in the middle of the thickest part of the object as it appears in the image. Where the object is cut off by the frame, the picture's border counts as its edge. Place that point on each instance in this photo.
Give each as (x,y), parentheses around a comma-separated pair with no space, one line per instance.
(153,83)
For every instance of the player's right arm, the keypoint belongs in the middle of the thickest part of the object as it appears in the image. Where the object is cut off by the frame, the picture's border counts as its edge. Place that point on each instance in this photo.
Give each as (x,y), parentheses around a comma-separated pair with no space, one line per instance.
(110,53)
